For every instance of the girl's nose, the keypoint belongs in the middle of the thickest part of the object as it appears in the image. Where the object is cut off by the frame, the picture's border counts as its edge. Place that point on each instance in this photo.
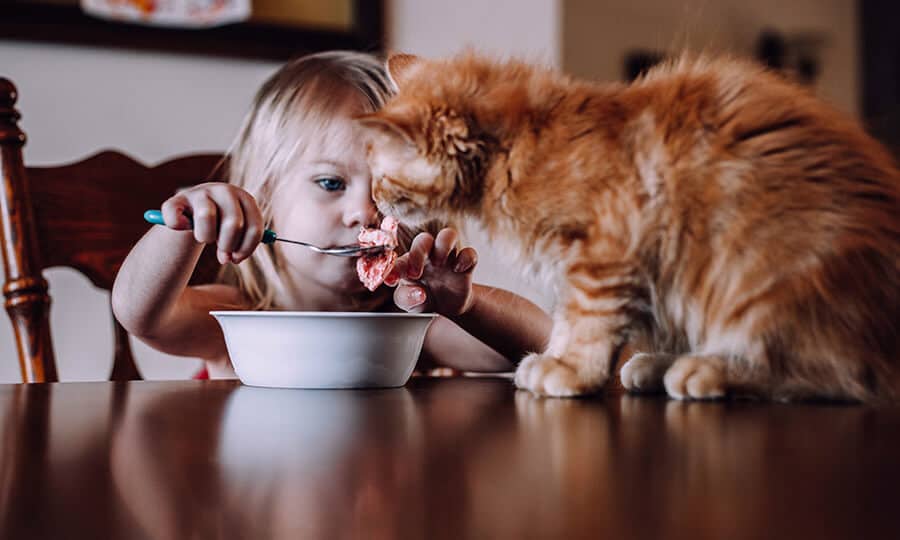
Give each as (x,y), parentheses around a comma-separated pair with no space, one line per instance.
(361,213)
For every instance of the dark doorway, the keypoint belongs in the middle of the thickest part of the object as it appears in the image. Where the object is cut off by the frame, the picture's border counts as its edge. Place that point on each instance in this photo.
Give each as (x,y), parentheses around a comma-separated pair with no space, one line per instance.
(880,55)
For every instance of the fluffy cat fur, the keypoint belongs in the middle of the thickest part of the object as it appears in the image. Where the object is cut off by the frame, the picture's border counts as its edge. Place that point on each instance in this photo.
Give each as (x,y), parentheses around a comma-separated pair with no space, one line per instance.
(742,234)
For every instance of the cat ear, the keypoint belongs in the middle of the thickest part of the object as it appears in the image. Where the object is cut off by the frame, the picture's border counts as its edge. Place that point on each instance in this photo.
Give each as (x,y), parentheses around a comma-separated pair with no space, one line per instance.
(387,125)
(454,133)
(399,68)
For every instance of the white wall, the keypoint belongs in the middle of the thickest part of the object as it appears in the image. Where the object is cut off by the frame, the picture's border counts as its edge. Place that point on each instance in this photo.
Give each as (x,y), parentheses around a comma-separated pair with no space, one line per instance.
(434,28)
(77,100)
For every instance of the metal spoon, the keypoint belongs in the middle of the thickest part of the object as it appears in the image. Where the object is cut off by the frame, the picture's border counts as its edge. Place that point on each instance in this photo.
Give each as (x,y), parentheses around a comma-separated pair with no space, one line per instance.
(269,237)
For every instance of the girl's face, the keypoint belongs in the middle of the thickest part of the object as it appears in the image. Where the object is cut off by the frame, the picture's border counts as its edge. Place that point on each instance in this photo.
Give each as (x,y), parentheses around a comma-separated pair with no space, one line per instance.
(324,200)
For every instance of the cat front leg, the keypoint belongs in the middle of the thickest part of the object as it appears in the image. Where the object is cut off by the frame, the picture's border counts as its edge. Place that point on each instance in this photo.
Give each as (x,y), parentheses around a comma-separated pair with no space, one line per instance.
(544,373)
(697,377)
(710,375)
(644,372)
(572,365)
(585,334)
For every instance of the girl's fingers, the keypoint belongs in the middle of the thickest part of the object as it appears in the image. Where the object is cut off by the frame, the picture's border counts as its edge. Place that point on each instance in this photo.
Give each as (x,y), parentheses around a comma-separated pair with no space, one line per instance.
(219,214)
(444,244)
(398,271)
(253,228)
(223,256)
(418,254)
(410,297)
(466,260)
(231,220)
(173,211)
(205,216)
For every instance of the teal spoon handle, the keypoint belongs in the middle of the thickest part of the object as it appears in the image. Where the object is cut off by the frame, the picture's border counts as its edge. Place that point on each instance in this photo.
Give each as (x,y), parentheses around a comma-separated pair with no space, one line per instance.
(155,217)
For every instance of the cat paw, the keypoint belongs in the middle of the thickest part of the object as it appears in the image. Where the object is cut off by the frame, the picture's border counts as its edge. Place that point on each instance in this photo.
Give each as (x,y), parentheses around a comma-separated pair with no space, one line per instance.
(549,376)
(644,372)
(696,377)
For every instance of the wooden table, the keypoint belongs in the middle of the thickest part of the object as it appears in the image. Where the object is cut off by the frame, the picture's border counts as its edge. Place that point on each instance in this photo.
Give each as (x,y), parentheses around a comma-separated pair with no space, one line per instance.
(441,458)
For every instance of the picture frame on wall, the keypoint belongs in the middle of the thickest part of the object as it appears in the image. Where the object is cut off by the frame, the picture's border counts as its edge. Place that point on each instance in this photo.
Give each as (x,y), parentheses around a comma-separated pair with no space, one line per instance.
(275,29)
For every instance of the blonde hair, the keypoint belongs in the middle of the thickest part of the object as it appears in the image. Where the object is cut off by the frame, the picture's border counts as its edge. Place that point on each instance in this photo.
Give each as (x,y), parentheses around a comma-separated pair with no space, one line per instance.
(300,98)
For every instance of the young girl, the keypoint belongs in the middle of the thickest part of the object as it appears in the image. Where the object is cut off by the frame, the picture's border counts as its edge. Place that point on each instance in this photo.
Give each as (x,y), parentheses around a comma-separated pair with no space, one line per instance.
(299,167)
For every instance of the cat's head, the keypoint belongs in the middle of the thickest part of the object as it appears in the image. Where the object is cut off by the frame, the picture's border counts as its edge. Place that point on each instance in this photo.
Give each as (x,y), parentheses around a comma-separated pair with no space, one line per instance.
(428,151)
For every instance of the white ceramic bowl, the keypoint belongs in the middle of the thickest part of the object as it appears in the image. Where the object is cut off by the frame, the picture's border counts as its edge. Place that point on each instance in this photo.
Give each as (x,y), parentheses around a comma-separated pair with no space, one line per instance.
(311,349)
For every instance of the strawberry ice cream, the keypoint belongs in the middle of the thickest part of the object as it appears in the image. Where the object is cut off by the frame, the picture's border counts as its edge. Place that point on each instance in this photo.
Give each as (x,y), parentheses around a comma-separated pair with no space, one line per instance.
(372,269)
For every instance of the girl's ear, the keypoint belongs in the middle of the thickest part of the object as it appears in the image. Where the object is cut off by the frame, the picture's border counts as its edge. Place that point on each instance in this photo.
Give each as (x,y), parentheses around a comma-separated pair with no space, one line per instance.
(400,67)
(387,125)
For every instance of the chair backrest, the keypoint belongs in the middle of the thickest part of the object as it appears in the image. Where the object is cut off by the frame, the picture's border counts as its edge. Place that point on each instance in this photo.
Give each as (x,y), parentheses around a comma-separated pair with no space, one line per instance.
(85,215)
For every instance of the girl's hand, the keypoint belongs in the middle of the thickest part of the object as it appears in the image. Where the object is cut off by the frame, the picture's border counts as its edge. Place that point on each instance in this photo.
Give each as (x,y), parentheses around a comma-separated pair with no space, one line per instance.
(434,276)
(222,214)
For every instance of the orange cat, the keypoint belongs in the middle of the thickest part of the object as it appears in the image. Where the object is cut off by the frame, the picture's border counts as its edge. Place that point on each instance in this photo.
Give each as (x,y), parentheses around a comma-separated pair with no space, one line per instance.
(744,235)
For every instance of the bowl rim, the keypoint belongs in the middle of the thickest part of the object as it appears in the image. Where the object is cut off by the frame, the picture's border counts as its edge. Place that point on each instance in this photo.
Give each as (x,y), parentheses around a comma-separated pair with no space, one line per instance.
(327,314)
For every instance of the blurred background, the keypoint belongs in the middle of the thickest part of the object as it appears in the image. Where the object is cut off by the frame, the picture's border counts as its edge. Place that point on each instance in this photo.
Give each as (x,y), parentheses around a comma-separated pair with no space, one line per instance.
(154,103)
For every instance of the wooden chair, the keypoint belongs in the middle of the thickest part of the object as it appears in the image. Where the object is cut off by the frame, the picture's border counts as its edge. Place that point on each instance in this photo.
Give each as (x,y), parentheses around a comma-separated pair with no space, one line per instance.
(85,215)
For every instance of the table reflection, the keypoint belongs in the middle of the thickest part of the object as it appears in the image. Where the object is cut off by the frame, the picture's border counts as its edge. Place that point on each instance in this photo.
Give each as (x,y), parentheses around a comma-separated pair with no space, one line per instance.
(279,463)
(440,458)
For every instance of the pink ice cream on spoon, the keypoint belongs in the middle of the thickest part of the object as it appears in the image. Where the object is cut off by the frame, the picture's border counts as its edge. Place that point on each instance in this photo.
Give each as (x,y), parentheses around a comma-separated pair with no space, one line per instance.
(372,269)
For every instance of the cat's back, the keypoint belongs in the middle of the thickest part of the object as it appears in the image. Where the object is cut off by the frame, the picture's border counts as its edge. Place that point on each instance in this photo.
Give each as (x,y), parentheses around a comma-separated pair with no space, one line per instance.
(744,111)
(754,141)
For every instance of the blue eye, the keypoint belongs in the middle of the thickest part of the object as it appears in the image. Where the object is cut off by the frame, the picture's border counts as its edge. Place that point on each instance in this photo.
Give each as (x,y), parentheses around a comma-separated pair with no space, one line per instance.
(332,184)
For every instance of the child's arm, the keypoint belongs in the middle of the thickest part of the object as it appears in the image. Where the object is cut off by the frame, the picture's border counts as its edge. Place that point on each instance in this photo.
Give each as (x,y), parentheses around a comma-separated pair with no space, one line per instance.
(150,296)
(448,345)
(510,324)
(434,276)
